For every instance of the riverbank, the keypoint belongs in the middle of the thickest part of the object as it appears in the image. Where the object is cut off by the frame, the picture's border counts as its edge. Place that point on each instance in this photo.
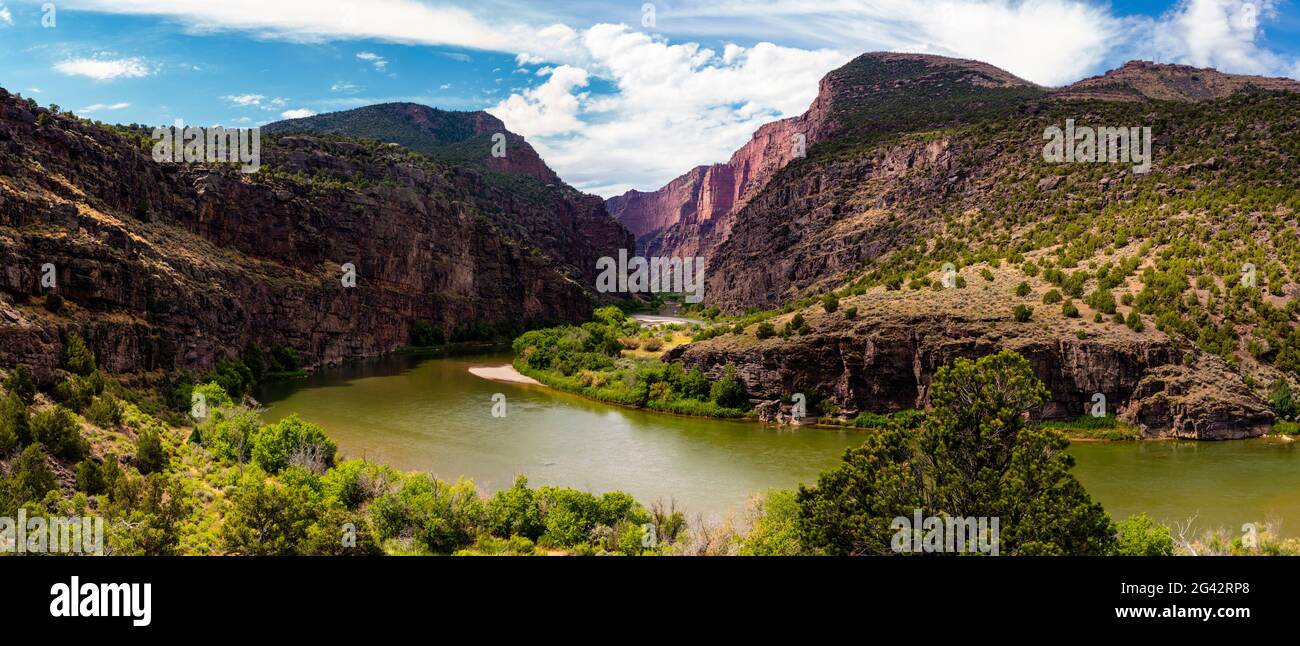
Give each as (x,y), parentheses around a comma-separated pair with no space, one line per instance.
(505,374)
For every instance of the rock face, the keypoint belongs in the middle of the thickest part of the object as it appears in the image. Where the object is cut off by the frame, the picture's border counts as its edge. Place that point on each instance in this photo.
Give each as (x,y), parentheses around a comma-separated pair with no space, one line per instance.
(693,213)
(171,267)
(885,362)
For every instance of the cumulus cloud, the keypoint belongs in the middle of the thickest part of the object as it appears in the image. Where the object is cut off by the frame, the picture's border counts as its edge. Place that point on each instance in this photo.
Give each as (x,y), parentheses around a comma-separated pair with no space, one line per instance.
(300,113)
(97,107)
(674,102)
(1223,34)
(103,69)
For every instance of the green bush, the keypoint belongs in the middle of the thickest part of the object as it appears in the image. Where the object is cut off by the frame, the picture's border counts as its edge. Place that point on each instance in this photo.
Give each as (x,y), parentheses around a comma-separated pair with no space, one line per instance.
(1022,290)
(1052,297)
(774,526)
(15,432)
(1070,310)
(1140,536)
(830,302)
(765,330)
(105,411)
(1022,313)
(515,512)
(90,477)
(77,357)
(57,430)
(729,391)
(851,313)
(149,454)
(424,335)
(19,382)
(292,441)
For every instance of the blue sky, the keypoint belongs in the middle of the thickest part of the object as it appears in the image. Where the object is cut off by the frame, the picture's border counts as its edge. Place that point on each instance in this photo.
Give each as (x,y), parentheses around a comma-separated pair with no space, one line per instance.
(615,95)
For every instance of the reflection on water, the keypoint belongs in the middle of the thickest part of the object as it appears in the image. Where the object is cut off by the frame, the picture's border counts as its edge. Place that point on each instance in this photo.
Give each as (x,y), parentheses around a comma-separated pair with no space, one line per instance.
(432,415)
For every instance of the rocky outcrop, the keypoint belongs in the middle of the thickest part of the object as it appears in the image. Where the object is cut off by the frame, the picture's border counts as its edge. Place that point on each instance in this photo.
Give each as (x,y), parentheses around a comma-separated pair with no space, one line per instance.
(1142,80)
(694,213)
(885,362)
(172,267)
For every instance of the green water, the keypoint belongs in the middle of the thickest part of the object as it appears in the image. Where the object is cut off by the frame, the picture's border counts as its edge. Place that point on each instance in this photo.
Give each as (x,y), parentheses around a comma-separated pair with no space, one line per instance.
(432,415)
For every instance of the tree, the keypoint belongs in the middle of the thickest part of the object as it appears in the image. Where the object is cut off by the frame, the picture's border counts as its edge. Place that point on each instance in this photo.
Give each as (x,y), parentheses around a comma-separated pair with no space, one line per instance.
(1281,400)
(77,357)
(19,382)
(514,512)
(1140,536)
(728,391)
(58,430)
(32,476)
(774,525)
(975,456)
(268,518)
(149,454)
(90,477)
(14,429)
(291,440)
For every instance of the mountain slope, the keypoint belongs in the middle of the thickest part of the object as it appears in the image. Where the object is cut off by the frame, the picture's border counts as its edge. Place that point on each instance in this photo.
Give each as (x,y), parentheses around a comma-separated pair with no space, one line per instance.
(871,96)
(455,137)
(175,266)
(1160,319)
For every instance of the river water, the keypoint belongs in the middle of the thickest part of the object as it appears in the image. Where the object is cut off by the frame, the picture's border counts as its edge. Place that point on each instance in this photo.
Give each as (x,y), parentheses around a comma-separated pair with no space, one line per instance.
(429,414)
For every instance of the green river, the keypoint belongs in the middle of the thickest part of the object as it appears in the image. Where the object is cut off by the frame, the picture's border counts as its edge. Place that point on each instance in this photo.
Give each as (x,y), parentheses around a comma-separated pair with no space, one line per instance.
(430,414)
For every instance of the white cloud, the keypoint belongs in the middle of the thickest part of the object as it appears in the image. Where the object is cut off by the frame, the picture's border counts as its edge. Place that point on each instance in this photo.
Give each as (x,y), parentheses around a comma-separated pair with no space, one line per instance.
(244,100)
(374,59)
(6,16)
(676,104)
(97,107)
(347,87)
(444,86)
(103,69)
(457,56)
(297,114)
(1223,34)
(550,108)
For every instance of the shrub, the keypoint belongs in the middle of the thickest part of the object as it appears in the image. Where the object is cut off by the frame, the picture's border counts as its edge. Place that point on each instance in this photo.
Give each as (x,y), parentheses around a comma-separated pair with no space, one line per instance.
(32,476)
(14,426)
(424,335)
(1022,290)
(90,477)
(57,430)
(728,391)
(105,411)
(1052,297)
(652,345)
(78,358)
(54,303)
(291,441)
(1140,536)
(149,454)
(19,382)
(1134,322)
(514,512)
(1022,313)
(986,274)
(765,330)
(1281,400)
(774,528)
(1070,310)
(851,313)
(830,302)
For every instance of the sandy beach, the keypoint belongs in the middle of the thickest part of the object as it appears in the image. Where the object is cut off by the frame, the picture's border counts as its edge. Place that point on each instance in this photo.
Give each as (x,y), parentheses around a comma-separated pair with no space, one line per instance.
(506,373)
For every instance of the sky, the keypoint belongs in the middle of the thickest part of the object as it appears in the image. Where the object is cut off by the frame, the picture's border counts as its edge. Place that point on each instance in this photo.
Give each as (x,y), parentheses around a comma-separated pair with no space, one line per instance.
(614,95)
